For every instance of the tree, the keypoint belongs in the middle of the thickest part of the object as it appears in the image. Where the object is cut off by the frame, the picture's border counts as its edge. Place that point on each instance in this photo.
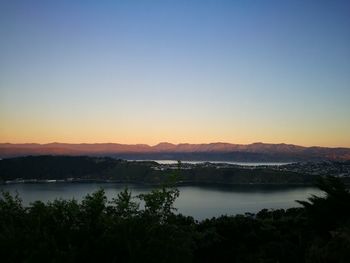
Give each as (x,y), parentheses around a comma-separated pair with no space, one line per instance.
(159,203)
(331,210)
(124,206)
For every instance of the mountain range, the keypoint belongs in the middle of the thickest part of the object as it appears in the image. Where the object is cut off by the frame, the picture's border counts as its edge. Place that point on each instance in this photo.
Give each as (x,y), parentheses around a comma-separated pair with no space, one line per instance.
(257,152)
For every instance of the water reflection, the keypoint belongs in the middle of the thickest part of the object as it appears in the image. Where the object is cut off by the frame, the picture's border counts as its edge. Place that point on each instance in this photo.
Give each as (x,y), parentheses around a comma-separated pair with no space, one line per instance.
(197,201)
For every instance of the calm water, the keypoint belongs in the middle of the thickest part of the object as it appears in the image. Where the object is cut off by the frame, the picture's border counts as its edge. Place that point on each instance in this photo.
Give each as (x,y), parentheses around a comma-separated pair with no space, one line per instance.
(227,162)
(197,201)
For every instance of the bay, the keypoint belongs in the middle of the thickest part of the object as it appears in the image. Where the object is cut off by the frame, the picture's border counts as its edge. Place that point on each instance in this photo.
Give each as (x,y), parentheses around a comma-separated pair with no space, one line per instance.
(221,162)
(198,201)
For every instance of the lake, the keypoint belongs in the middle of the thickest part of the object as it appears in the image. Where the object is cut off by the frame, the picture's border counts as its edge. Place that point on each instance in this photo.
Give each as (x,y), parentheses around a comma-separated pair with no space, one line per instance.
(197,201)
(221,162)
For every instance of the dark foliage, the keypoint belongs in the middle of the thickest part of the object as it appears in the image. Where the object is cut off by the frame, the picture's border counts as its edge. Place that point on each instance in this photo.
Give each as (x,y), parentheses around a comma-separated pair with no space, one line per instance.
(104,168)
(98,230)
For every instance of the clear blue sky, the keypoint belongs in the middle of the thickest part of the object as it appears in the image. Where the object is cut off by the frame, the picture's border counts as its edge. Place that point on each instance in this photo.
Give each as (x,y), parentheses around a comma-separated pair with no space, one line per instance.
(177,71)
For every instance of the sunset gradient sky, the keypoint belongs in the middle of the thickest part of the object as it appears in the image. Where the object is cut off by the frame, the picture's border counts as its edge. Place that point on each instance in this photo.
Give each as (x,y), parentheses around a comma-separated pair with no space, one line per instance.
(177,71)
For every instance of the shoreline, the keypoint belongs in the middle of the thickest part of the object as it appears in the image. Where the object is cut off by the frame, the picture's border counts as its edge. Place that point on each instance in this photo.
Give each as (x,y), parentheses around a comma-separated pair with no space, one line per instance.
(181,183)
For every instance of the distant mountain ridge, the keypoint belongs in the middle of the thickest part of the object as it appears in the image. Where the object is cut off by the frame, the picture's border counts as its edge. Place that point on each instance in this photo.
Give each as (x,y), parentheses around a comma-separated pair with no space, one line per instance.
(184,151)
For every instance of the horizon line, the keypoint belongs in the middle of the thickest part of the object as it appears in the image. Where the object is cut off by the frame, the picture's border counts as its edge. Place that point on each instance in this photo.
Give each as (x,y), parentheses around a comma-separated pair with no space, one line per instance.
(176,144)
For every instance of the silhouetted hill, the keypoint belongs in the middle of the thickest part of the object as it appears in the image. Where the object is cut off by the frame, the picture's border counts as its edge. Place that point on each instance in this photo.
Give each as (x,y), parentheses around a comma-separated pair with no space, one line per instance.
(105,168)
(210,151)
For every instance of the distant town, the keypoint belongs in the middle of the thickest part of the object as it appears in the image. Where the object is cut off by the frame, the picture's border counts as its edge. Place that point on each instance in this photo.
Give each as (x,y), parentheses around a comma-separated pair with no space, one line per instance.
(322,168)
(55,169)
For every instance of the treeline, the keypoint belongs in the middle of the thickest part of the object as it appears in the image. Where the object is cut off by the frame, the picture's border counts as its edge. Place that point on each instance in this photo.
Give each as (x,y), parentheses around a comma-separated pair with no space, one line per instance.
(119,230)
(63,167)
(103,168)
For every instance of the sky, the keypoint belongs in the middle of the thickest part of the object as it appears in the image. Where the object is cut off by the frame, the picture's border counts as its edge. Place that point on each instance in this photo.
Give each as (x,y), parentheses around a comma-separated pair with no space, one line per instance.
(176,71)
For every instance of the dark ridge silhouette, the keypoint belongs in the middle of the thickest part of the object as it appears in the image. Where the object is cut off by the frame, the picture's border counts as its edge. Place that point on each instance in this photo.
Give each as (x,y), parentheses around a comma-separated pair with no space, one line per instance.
(211,151)
(84,168)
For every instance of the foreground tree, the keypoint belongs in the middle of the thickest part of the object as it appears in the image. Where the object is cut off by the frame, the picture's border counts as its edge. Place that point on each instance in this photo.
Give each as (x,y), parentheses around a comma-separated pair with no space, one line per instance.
(330,210)
(329,218)
(123,231)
